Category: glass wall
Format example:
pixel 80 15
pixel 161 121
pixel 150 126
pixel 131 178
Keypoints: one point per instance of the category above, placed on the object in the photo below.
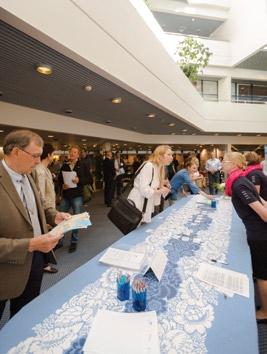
pixel 249 92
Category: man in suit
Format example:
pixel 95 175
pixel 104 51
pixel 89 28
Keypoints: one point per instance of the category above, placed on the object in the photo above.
pixel 23 232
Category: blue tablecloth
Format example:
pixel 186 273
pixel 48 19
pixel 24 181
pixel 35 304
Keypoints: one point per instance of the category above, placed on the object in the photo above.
pixel 193 317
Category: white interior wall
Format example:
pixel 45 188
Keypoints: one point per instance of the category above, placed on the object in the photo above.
pixel 109 46
pixel 246 28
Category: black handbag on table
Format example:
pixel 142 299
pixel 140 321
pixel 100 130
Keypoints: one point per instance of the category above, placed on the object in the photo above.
pixel 123 212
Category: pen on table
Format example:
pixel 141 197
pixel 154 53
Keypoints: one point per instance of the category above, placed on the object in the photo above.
pixel 218 261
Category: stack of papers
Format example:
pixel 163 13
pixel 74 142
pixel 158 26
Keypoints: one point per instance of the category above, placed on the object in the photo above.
pixel 78 221
pixel 225 280
pixel 123 333
pixel 123 259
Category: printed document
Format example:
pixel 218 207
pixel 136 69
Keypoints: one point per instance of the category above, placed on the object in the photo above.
pixel 78 221
pixel 123 259
pixel 121 333
pixel 224 279
pixel 68 177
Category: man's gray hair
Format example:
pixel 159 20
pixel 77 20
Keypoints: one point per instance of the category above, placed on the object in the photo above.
pixel 20 139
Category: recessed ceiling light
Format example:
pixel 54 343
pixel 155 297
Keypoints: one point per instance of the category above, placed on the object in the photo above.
pixel 125 144
pixel 84 140
pixel 193 19
pixel 239 134
pixel 173 133
pixel 184 130
pixel 44 69
pixel 68 111
pixel 216 134
pixel 258 135
pixel 1 131
pixel 84 144
pixel 95 145
pixel 108 121
pixel 264 48
pixel 171 124
pixel 88 88
pixel 151 115
pixel 50 136
pixel 116 100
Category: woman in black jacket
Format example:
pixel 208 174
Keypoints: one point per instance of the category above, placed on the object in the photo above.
pixel 251 209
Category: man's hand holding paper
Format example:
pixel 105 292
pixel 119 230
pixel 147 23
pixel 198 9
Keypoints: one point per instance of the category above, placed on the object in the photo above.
pixel 79 221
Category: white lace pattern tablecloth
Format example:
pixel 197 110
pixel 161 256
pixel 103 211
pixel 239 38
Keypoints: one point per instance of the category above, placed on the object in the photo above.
pixel 184 305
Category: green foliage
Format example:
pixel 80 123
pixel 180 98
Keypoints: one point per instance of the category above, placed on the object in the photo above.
pixel 193 57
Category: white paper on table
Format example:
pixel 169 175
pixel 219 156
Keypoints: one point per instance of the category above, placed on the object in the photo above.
pixel 123 333
pixel 68 177
pixel 226 280
pixel 123 259
pixel 157 264
pixel 78 221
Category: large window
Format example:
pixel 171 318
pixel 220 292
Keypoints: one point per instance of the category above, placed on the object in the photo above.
pixel 249 92
pixel 208 89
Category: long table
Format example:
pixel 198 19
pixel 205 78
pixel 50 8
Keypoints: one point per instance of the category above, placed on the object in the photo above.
pixel 193 317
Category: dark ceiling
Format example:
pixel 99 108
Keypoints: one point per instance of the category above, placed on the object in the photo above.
pixel 64 89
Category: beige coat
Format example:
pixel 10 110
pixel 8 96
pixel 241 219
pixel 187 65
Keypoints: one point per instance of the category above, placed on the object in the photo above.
pixel 15 232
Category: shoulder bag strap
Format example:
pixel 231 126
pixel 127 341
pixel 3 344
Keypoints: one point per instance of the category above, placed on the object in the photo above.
pixel 127 189
pixel 146 200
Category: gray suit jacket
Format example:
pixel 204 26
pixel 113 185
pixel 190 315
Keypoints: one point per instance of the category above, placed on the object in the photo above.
pixel 15 232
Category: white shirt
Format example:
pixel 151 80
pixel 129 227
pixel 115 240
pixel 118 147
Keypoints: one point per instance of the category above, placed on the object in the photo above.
pixel 213 165
pixel 142 190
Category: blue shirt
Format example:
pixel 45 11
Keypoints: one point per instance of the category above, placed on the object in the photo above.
pixel 177 181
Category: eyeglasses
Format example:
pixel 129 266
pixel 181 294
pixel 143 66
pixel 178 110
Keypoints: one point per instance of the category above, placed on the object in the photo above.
pixel 34 156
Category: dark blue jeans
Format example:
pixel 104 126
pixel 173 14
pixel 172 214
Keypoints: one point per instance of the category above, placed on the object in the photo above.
pixel 76 204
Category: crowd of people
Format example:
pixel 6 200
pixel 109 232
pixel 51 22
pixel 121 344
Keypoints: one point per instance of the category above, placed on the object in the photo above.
pixel 37 195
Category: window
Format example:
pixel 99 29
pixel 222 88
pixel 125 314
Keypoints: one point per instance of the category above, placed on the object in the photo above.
pixel 249 92
pixel 208 89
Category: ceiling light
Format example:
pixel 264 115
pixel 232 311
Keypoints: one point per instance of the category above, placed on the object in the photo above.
pixel 44 69
pixel 88 88
pixel 116 100
pixel 264 48
pixel 108 121
pixel 84 144
pixel 184 130
pixel 193 19
pixel 68 111
pixel 151 115
pixel 171 124
pixel 50 136
pixel 256 135
pixel 173 133
pixel 1 131
pixel 84 140
pixel 95 145
pixel 239 134
pixel 216 134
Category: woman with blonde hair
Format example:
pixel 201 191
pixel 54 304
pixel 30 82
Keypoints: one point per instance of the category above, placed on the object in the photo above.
pixel 250 208
pixel 150 183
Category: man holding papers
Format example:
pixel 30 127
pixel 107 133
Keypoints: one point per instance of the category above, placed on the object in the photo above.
pixel 72 178
pixel 24 240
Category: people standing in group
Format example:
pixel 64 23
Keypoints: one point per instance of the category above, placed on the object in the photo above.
pixel 109 178
pixel 183 177
pixel 24 241
pixel 72 196
pixel 45 185
pixel 213 166
pixel 250 208
pixel 136 163
pixel 255 174
pixel 151 182
pixel 120 172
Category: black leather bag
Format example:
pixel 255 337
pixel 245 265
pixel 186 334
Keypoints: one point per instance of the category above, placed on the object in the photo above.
pixel 123 212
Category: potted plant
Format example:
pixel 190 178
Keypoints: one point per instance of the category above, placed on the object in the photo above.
pixel 193 57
